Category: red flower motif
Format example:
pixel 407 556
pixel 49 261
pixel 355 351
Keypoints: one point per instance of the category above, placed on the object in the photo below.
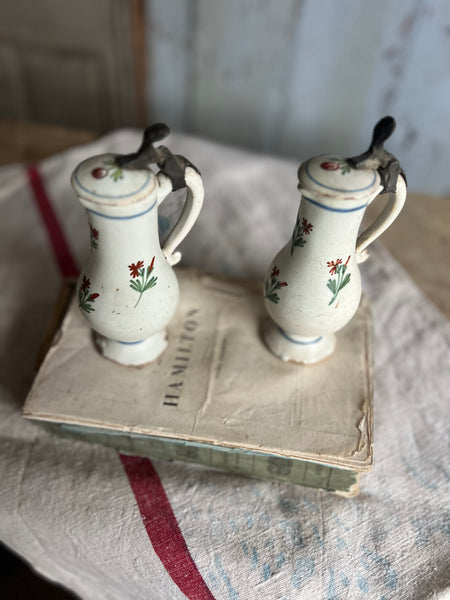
pixel 346 262
pixel 85 284
pixel 307 227
pixel 275 272
pixel 150 268
pixel 333 265
pixel 92 297
pixel 330 165
pixel 94 232
pixel 134 268
pixel 282 283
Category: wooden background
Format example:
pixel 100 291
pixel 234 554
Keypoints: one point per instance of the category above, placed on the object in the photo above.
pixel 302 77
pixel 287 77
pixel 71 63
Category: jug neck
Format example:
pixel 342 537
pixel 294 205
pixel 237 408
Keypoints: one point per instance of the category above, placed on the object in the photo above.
pixel 339 204
pixel 112 236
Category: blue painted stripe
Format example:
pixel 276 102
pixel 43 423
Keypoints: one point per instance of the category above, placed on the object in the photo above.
pixel 340 210
pixel 297 341
pixel 90 192
pixel 130 343
pixel 94 212
pixel 328 187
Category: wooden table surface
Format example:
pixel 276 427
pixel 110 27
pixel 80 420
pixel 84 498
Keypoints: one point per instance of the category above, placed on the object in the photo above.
pixel 419 238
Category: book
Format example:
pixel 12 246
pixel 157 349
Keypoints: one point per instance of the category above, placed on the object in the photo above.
pixel 216 396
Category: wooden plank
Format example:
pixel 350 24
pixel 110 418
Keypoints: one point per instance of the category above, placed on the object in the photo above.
pixel 303 77
pixel 69 63
pixel 121 90
pixel 31 142
pixel 419 239
pixel 241 66
pixel 337 48
pixel 422 98
pixel 139 45
pixel 169 53
pixel 51 99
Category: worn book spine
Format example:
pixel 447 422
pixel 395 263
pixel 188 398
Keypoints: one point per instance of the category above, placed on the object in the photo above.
pixel 234 460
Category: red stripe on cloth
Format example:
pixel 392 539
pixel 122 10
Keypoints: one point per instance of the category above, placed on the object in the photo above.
pixel 157 514
pixel 163 529
pixel 55 233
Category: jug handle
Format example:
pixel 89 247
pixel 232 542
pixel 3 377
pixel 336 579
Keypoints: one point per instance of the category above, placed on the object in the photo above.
pixel 383 221
pixel 189 214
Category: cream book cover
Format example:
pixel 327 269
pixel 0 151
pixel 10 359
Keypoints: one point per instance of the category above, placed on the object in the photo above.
pixel 217 396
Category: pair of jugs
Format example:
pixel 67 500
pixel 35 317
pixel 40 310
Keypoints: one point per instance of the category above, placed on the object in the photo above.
pixel 128 290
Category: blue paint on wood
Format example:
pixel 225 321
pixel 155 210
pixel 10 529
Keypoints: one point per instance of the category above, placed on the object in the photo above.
pixel 214 71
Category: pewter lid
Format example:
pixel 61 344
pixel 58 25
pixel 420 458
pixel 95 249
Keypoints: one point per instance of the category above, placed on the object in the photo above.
pixel 104 186
pixel 332 176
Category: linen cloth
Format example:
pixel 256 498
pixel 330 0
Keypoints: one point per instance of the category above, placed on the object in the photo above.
pixel 77 513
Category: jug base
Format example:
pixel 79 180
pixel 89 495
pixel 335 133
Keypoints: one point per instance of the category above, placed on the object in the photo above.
pixel 295 348
pixel 133 354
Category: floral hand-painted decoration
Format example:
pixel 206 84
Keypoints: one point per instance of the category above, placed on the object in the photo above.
pixel 334 165
pixel 338 270
pixel 110 169
pixel 300 230
pixel 94 237
pixel 273 285
pixel 85 298
pixel 141 277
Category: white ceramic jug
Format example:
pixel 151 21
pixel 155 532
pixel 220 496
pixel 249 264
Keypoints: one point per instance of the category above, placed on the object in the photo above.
pixel 313 286
pixel 128 290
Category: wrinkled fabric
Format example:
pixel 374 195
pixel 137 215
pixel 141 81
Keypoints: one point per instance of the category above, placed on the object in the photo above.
pixel 67 507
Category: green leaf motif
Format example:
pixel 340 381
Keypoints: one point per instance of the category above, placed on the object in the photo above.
pixel 274 284
pixel 341 278
pixel 345 281
pixel 86 307
pixel 135 285
pixel 144 281
pixel 298 240
pixel 151 283
pixel 116 172
pixel 331 285
pixel 85 299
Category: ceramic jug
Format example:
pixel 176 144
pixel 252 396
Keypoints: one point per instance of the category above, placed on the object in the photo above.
pixel 128 290
pixel 313 286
